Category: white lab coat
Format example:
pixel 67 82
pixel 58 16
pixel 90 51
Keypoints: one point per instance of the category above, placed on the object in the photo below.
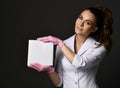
pixel 81 72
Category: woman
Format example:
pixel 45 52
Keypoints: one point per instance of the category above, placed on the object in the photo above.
pixel 78 57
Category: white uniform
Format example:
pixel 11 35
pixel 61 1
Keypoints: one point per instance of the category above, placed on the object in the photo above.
pixel 81 72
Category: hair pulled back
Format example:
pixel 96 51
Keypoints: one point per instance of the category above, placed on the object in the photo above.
pixel 104 23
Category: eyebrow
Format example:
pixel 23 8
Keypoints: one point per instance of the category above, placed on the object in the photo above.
pixel 87 19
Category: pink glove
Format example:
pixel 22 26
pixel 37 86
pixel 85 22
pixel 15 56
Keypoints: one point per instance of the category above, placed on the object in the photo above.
pixel 40 67
pixel 52 39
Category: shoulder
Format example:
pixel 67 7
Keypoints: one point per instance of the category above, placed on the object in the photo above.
pixel 94 45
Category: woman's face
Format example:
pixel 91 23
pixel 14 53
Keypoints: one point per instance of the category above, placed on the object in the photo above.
pixel 85 23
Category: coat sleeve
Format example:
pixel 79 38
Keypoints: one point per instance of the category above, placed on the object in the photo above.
pixel 91 58
pixel 58 66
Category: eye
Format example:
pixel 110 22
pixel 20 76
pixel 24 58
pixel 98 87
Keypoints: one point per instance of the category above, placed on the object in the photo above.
pixel 88 23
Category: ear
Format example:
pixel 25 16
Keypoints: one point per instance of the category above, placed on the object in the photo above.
pixel 94 30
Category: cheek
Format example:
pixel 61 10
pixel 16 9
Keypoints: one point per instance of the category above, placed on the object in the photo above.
pixel 88 30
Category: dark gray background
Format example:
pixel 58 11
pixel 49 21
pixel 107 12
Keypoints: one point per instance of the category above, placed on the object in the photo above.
pixel 29 19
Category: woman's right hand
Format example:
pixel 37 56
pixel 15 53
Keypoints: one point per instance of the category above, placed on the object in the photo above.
pixel 40 67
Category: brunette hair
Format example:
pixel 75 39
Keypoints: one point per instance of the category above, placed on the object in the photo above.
pixel 104 23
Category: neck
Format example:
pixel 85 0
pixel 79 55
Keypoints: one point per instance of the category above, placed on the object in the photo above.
pixel 80 39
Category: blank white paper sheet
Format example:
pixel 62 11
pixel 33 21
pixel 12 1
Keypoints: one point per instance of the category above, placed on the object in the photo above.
pixel 40 52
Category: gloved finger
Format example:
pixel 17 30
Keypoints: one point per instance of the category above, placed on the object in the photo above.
pixel 36 67
pixel 47 39
pixel 41 67
pixel 42 38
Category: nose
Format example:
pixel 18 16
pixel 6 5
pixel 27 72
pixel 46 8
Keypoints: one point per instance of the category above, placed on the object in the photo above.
pixel 81 23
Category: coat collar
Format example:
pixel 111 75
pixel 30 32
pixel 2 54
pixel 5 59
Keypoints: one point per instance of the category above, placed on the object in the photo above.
pixel 90 42
pixel 86 45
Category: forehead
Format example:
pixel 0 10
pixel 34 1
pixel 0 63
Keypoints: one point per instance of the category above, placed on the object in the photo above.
pixel 88 15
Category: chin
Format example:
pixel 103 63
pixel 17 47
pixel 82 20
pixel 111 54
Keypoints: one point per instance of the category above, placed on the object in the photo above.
pixel 78 32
